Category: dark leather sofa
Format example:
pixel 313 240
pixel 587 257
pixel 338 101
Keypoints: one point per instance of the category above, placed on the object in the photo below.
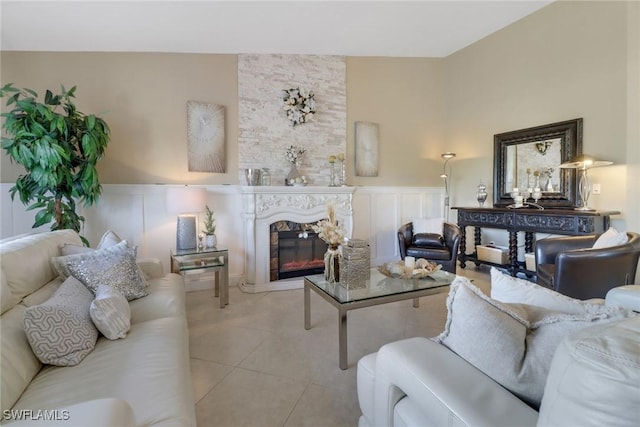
pixel 439 248
pixel 570 266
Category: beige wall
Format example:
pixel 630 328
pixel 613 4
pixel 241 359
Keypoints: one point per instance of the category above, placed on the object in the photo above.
pixel 143 98
pixel 405 96
pixel 568 60
pixel 633 115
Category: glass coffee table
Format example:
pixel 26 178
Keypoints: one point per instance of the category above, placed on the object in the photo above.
pixel 379 289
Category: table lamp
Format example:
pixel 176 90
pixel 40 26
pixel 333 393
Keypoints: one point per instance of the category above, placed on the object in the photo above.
pixel 583 162
pixel 186 201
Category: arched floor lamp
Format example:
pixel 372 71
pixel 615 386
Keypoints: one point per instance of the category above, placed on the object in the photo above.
pixel 447 180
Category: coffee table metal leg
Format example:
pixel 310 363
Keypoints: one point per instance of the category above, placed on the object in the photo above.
pixel 307 308
pixel 342 338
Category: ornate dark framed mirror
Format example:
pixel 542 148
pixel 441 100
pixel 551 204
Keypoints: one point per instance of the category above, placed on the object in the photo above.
pixel 529 158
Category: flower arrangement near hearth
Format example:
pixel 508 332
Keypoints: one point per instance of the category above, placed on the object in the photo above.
pixel 328 229
pixel 333 234
pixel 299 104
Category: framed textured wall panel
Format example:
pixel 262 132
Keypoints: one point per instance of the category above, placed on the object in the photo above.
pixel 205 137
pixel 366 148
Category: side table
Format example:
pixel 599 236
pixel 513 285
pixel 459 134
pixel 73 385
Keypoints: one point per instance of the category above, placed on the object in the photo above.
pixel 215 259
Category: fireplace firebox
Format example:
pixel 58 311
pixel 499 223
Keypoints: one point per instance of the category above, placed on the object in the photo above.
pixel 296 250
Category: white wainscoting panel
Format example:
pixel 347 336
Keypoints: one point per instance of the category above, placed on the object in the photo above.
pixel 138 213
pixel 380 211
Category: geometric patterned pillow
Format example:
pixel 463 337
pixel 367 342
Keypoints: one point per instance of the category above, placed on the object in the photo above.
pixel 110 312
pixel 60 330
pixel 114 266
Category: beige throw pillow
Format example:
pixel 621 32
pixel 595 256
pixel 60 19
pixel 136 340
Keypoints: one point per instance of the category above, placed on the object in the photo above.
pixel 511 343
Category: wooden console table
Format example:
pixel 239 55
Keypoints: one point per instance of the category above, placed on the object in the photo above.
pixel 530 221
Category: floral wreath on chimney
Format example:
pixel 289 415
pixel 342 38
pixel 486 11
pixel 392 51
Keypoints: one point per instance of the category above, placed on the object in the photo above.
pixel 299 104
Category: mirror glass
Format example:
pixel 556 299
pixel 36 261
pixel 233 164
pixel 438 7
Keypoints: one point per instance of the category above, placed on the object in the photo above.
pixel 530 158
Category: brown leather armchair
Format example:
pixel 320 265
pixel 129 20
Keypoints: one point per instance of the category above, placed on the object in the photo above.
pixel 441 249
pixel 570 266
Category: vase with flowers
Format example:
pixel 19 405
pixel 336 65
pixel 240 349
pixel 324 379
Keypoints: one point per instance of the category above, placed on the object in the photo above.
pixel 293 154
pixel 333 235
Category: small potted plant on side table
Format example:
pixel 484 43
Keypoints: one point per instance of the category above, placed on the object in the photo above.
pixel 210 228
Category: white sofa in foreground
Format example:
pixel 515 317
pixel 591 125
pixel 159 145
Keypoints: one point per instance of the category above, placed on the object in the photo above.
pixel 140 380
pixel 592 378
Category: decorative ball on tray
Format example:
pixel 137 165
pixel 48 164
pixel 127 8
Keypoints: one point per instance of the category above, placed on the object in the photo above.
pixel 409 269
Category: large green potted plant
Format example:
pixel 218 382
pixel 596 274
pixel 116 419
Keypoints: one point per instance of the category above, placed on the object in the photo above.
pixel 59 151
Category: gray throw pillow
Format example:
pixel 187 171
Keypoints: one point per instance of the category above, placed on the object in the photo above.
pixel 114 266
pixel 60 330
pixel 511 343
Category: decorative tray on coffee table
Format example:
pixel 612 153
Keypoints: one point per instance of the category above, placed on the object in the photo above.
pixel 423 268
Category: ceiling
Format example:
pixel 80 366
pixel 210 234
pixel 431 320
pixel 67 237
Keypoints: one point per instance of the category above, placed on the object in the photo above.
pixel 352 28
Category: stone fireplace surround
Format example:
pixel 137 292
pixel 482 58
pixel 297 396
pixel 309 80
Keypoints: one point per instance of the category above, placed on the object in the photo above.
pixel 262 206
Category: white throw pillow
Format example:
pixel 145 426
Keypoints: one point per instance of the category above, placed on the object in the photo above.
pixel 508 289
pixel 60 330
pixel 114 266
pixel 609 238
pixel 110 312
pixel 511 343
pixel 427 225
pixel 109 238
pixel 594 378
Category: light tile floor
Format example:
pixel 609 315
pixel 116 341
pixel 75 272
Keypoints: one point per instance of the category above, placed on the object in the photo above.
pixel 253 363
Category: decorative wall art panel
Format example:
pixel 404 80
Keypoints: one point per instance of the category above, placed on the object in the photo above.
pixel 206 137
pixel 366 148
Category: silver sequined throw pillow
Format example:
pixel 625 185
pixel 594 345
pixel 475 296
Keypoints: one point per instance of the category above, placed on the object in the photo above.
pixel 114 266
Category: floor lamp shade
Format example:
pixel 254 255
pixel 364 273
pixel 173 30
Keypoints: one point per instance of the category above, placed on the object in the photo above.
pixel 186 201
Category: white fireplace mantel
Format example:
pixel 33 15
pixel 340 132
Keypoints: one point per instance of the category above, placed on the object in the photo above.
pixel 262 206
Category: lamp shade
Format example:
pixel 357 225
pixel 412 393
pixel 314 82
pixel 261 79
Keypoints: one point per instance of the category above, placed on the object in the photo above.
pixel 185 199
pixel 584 161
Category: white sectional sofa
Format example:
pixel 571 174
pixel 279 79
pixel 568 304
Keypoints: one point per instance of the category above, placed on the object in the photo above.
pixel 140 380
pixel 593 379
